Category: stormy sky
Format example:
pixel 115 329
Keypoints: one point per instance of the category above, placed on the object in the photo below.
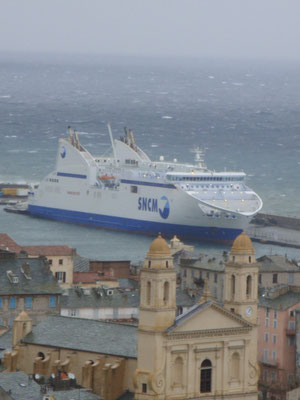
pixel 263 29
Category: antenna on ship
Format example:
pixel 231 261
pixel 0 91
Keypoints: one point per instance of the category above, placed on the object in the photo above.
pixel 199 157
pixel 112 141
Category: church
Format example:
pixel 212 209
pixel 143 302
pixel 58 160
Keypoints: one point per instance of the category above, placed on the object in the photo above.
pixel 209 351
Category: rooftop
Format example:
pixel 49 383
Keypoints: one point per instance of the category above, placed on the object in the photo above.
pixel 85 335
pixel 18 385
pixel 277 263
pixel 97 298
pixel 206 262
pixel 22 275
pixel 280 297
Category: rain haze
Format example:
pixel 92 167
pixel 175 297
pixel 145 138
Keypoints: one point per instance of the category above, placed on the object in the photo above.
pixel 233 28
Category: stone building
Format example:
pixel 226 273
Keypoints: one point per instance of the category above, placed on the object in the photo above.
pixel 277 340
pixel 209 351
pixel 275 270
pixel 27 284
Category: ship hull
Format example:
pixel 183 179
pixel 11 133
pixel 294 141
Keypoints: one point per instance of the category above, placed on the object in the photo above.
pixel 206 233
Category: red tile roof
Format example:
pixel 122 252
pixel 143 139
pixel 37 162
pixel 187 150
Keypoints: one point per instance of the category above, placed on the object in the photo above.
pixel 48 250
pixel 7 243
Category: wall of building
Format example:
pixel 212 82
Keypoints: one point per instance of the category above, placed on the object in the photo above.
pixel 102 313
pixel 38 312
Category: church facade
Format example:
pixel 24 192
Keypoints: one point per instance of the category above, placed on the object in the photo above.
pixel 210 351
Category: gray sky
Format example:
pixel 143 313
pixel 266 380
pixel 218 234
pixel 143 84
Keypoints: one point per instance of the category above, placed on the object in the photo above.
pixel 231 28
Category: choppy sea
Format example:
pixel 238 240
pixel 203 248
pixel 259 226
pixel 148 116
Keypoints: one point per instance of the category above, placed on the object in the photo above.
pixel 245 115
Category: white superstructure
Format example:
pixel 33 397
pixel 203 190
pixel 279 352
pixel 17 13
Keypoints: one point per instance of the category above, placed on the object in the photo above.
pixel 128 191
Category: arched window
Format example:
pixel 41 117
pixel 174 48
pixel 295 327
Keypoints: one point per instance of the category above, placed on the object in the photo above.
pixel 250 259
pixel 148 293
pixel 248 286
pixel 232 286
pixel 178 371
pixel 206 376
pixel 233 258
pixel 166 292
pixel 235 366
pixel 167 264
pixel 149 264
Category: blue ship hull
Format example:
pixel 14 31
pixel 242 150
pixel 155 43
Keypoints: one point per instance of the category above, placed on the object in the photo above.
pixel 222 235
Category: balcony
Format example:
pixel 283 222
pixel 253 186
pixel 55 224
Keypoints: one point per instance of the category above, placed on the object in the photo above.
pixel 290 332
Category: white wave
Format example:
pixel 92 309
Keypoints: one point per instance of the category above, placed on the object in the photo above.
pixel 211 77
pixel 163 92
pixel 156 145
pixel 166 117
pixel 14 151
pixel 5 96
pixel 237 83
pixel 11 136
pixel 32 151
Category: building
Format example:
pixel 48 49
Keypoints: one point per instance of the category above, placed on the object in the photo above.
pixel 100 355
pixel 111 304
pixel 27 284
pixel 275 270
pixel 20 386
pixel 193 272
pixel 60 257
pixel 208 351
pixel 277 340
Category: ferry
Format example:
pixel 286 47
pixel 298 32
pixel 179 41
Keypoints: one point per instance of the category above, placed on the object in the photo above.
pixel 128 191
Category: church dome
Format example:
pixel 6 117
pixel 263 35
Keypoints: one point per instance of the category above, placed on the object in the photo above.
pixel 242 244
pixel 159 247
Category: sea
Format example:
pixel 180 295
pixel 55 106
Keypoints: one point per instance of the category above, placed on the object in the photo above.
pixel 245 115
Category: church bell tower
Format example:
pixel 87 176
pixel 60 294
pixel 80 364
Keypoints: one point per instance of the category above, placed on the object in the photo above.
pixel 157 313
pixel 241 279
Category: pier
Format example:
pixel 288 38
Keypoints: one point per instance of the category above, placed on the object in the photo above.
pixel 275 229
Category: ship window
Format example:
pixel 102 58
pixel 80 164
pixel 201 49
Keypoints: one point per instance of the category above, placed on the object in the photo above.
pixel 133 189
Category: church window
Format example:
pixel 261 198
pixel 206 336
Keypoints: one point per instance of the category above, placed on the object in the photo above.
pixel 148 293
pixel 144 387
pixel 235 366
pixel 167 264
pixel 250 259
pixel 178 371
pixel 232 286
pixel 166 292
pixel 149 264
pixel 233 259
pixel 206 376
pixel 248 286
